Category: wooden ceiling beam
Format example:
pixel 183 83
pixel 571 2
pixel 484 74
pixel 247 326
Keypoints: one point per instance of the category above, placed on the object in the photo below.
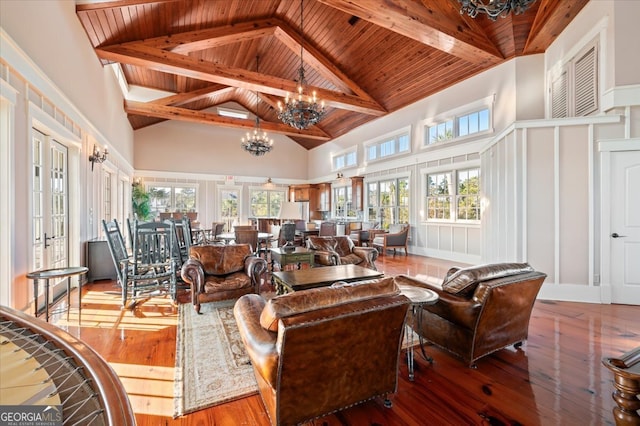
pixel 169 62
pixel 192 41
pixel 319 62
pixel 192 116
pixel 83 7
pixel 551 19
pixel 414 20
pixel 185 98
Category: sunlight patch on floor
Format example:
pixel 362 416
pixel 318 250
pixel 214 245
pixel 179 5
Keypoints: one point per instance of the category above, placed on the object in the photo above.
pixel 150 388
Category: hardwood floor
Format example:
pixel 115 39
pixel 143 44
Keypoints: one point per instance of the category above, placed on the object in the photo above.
pixel 557 377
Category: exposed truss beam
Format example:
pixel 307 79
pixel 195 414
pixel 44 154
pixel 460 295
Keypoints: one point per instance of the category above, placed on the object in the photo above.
pixel 189 115
pixel 161 60
pixel 413 19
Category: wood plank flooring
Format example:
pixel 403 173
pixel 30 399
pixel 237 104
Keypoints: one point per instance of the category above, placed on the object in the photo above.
pixel 556 379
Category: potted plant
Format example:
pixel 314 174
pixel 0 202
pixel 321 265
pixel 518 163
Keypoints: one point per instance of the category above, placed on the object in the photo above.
pixel 141 201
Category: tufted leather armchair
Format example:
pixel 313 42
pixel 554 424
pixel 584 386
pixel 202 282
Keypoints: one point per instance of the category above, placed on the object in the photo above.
pixel 481 309
pixel 220 272
pixel 317 351
pixel 340 250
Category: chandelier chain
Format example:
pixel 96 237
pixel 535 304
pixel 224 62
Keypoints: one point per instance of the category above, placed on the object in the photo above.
pixel 300 111
pixel 258 143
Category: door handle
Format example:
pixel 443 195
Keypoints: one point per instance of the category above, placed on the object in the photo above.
pixel 46 239
pixel 615 235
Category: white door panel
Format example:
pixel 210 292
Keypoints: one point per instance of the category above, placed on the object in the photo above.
pixel 624 238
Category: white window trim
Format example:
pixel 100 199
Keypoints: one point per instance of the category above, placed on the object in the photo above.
pixel 453 168
pixel 344 154
pixel 475 106
pixel 174 185
pixel 384 138
pixel 283 190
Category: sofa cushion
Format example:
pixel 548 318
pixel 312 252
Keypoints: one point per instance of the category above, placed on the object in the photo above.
pixel 350 259
pixel 464 281
pixel 221 260
pixel 318 298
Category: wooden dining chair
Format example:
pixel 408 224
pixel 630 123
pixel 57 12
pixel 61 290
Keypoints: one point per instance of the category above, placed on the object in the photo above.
pixel 248 236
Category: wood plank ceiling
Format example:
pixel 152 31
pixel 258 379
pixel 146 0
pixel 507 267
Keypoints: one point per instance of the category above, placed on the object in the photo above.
pixel 365 58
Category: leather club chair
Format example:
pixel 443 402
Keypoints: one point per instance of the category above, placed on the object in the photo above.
pixel 481 309
pixel 221 272
pixel 317 351
pixel 340 250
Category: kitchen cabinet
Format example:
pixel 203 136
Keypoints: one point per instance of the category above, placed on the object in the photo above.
pixel 324 197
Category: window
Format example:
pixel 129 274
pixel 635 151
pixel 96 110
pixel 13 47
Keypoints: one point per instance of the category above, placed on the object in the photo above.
pixel 265 203
pixel 229 206
pixel 342 202
pixel 460 126
pixel 468 196
pixel 574 88
pixel 394 144
pixel 106 197
pixel 345 159
pixel 442 190
pixel 170 198
pixel 388 201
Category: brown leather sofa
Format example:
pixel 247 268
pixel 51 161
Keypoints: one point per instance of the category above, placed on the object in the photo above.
pixel 481 309
pixel 318 351
pixel 221 272
pixel 340 250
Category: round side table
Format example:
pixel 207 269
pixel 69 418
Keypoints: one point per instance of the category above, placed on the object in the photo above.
pixel 419 297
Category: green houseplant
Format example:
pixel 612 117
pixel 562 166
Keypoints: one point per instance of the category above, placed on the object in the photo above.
pixel 141 202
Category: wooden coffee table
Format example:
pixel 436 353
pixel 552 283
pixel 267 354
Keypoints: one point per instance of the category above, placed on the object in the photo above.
pixel 303 279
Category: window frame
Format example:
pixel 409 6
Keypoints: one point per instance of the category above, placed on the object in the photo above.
pixel 373 213
pixel 455 116
pixel 172 197
pixel 394 138
pixel 344 159
pixel 454 194
pixel 269 204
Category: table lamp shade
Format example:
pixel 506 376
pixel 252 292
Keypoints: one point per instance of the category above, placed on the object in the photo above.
pixel 290 211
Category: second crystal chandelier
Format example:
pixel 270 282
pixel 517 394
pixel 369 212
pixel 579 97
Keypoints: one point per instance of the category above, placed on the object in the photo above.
pixel 301 111
pixel 257 143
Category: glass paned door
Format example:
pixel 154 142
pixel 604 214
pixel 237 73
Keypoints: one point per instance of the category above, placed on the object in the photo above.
pixel 49 204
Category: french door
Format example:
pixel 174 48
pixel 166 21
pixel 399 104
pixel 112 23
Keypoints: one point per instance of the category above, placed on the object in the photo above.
pixel 49 205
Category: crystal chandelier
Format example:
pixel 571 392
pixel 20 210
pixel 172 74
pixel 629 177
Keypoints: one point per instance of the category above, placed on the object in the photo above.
pixel 494 8
pixel 257 143
pixel 301 111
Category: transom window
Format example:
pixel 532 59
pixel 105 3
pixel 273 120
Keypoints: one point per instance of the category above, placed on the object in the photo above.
pixel 395 144
pixel 461 126
pixel 345 159
pixel 461 186
pixel 266 203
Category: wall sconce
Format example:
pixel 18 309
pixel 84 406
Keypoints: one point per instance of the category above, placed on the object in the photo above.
pixel 339 175
pixel 136 182
pixel 97 156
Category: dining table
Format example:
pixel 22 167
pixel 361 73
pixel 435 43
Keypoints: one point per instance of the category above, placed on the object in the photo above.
pixel 229 237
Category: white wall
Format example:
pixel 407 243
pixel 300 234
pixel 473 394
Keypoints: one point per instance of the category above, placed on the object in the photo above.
pixel 175 146
pixel 61 88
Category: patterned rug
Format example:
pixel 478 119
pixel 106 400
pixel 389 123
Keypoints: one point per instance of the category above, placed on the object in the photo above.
pixel 211 364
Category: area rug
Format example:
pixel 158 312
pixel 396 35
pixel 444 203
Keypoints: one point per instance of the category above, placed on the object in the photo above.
pixel 212 366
